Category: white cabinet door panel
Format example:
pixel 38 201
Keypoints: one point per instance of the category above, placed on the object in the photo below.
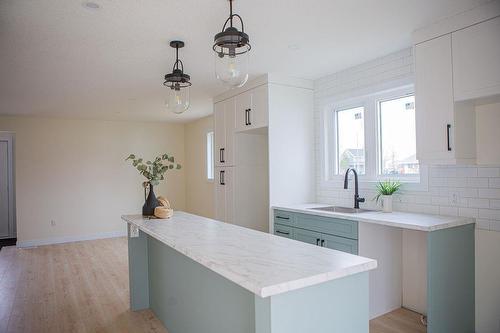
pixel 220 132
pixel 434 99
pixel 476 59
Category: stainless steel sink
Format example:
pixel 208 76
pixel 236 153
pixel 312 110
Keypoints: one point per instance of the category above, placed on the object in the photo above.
pixel 337 209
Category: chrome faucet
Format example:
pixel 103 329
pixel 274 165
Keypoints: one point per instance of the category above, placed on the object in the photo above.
pixel 357 199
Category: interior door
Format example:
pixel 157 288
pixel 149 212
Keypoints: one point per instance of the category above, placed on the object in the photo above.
pixel 4 189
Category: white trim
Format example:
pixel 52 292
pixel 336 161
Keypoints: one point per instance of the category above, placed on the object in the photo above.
pixel 70 239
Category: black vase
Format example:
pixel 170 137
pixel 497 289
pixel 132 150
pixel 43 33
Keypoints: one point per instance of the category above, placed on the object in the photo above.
pixel 151 202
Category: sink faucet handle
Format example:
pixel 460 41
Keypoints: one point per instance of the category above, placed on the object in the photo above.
pixel 361 199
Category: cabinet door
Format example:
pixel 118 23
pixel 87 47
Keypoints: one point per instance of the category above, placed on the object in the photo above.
pixel 434 100
pixel 258 114
pixel 224 195
pixel 308 236
pixel 340 243
pixel 476 57
pixel 220 133
pixel 243 103
pixel 284 231
pixel 220 195
pixel 229 110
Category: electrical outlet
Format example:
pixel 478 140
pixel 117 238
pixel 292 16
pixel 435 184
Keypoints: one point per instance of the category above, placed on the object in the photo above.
pixel 53 223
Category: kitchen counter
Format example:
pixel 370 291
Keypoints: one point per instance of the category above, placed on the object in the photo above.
pixel 259 262
pixel 202 275
pixel 403 220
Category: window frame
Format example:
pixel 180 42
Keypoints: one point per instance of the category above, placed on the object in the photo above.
pixel 373 172
pixel 211 134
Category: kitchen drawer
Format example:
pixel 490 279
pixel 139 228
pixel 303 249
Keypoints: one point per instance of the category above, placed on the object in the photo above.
pixel 284 231
pixel 340 244
pixel 328 225
pixel 284 217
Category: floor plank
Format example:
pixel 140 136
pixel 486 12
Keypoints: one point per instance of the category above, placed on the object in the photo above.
pixel 397 321
pixel 83 287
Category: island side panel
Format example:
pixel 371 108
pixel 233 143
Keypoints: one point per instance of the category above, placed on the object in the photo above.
pixel 188 297
pixel 340 305
pixel 450 280
pixel 138 270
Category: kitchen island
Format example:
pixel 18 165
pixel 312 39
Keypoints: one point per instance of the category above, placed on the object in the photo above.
pixel 202 275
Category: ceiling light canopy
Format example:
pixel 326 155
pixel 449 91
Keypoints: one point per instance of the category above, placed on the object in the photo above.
pixel 178 82
pixel 232 47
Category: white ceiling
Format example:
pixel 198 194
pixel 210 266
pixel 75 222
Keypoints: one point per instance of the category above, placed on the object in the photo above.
pixel 58 58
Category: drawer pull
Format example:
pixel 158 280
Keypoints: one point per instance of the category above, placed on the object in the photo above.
pixel 317 241
pixel 282 232
pixel 282 217
pixel 322 242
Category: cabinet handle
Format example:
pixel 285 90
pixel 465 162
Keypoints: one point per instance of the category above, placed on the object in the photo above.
pixel 246 117
pixel 282 232
pixel 222 181
pixel 322 242
pixel 281 217
pixel 448 126
pixel 221 155
pixel 317 241
pixel 249 120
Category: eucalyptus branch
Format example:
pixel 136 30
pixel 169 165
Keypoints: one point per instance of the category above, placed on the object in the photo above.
pixel 154 171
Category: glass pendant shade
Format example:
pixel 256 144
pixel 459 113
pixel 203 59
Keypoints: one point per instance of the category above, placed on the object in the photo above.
pixel 232 70
pixel 178 100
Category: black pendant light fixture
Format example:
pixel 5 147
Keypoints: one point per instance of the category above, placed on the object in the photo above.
pixel 231 48
pixel 178 82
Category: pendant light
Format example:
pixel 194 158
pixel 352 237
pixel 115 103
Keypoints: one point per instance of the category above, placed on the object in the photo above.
pixel 231 48
pixel 178 82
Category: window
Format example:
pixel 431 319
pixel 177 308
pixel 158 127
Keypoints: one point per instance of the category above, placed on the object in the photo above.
pixel 210 155
pixel 397 140
pixel 351 140
pixel 375 135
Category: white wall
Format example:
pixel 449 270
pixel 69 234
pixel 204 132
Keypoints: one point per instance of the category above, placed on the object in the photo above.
pixel 199 190
pixel 73 172
pixel 469 191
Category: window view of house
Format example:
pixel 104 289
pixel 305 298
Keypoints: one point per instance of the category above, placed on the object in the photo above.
pixel 351 140
pixel 397 137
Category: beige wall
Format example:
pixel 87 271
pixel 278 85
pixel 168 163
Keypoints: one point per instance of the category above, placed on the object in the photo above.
pixel 488 134
pixel 73 172
pixel 199 191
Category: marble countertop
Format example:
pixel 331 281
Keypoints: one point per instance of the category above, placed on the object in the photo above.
pixel 262 263
pixel 413 221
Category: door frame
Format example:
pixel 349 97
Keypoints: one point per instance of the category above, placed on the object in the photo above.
pixel 9 138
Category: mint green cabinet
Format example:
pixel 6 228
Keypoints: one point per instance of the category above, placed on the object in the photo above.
pixel 332 233
pixel 308 236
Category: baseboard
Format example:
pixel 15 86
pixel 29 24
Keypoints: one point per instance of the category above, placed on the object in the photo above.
pixel 69 239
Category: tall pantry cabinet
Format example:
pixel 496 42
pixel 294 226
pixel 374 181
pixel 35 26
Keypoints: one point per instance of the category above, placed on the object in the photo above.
pixel 264 145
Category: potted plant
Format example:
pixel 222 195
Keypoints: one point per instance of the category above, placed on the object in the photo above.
pixel 154 171
pixel 385 190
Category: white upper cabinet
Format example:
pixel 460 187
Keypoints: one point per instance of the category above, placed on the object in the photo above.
pixel 252 109
pixel 476 60
pixel 224 132
pixel 434 99
pixel 445 129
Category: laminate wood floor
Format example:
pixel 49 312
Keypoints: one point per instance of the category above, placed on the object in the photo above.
pixel 398 321
pixel 73 287
pixel 83 287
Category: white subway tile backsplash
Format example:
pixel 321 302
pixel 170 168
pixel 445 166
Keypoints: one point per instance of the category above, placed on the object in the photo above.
pixel 494 182
pixel 450 211
pixel 491 214
pixel 483 224
pixel 490 193
pixel 488 172
pixel 478 182
pixel 495 225
pixel 478 203
pixel 495 204
pixel 468 212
